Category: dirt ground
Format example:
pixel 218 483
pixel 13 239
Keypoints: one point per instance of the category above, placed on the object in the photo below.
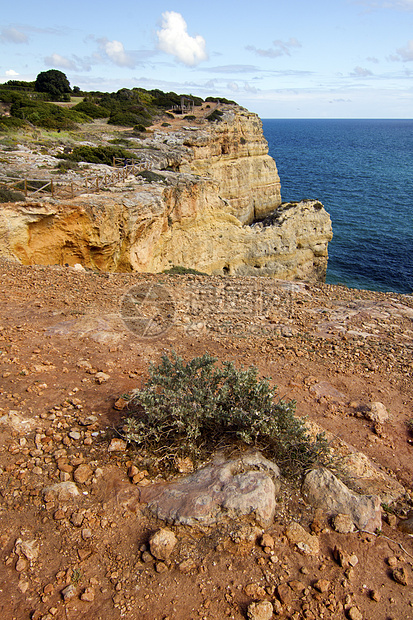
pixel 67 356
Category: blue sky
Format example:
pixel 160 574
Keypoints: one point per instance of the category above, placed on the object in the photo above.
pixel 281 59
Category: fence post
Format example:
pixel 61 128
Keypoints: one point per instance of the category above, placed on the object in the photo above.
pixel 25 187
pixel 71 186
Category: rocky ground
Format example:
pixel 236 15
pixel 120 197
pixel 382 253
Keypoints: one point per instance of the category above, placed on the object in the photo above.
pixel 69 350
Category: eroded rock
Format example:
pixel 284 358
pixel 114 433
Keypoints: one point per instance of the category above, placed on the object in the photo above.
pixel 244 486
pixel 323 490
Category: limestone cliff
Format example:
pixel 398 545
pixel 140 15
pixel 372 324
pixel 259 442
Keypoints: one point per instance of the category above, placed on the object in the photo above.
pixel 216 207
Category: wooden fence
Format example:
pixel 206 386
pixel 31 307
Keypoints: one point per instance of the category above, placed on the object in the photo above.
pixel 36 187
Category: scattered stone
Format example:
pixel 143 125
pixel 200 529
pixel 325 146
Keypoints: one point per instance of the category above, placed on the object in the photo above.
pixel 375 596
pixel 323 490
pixel 69 592
pixel 162 543
pixel 343 524
pixel 305 542
pixel 117 445
pixel 75 435
pixel 21 565
pixel 284 593
pixel 120 404
pixel 354 614
pixel 400 576
pixel 297 586
pixel 30 549
pixel 86 533
pixel 101 377
pixel 377 413
pixel 186 566
pixel 76 519
pixel 322 585
pixel 392 519
pixel 88 595
pixel 263 610
pixel 161 567
pixel 267 541
pixel 61 491
pixel 392 561
pixel 254 590
pixel 83 473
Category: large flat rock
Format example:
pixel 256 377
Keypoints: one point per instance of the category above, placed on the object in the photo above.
pixel 235 488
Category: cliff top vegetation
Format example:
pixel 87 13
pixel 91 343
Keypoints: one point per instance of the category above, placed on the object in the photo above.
pixel 51 103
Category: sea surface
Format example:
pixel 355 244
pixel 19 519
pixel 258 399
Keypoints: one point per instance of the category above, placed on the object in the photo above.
pixel 362 172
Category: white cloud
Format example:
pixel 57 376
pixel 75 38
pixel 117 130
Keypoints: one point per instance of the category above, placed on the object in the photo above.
pixel 405 53
pixel 12 35
pixel 173 38
pixel 361 72
pixel 233 86
pixel 60 62
pixel 116 52
pixel 11 73
pixel 280 48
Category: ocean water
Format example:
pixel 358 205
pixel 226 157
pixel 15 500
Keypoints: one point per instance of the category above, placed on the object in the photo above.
pixel 362 172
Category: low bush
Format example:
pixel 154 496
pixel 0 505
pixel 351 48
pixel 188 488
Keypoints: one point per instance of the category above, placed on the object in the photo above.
pixel 9 195
pixel 98 154
pixel 191 409
pixel 9 122
pixel 182 271
pixel 92 110
pixel 216 115
pixel 152 177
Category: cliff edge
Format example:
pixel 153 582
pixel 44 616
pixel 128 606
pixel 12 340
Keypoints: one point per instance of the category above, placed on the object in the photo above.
pixel 212 201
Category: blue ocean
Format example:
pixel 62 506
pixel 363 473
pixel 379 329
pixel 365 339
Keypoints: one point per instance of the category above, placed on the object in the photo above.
pixel 362 172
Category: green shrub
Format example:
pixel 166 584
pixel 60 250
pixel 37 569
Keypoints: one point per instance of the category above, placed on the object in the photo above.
pixel 92 110
pixel 152 177
pixel 8 195
pixel 190 409
pixel 9 122
pixel 139 128
pixel 216 115
pixel 64 166
pixel 180 271
pixel 189 117
pixel 98 154
pixel 128 119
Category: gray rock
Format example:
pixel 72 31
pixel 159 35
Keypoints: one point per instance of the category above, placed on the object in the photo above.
pixel 233 488
pixel 323 490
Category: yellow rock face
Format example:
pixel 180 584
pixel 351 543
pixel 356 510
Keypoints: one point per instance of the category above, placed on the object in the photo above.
pixel 203 217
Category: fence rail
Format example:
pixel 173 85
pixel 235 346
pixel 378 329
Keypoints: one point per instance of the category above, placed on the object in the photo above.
pixel 31 187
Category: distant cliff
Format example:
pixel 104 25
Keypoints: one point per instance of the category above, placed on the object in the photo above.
pixel 216 207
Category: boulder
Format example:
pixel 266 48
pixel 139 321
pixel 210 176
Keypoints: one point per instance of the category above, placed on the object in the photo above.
pixel 323 490
pixel 243 486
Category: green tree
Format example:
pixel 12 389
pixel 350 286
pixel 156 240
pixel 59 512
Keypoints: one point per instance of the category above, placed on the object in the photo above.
pixel 54 83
